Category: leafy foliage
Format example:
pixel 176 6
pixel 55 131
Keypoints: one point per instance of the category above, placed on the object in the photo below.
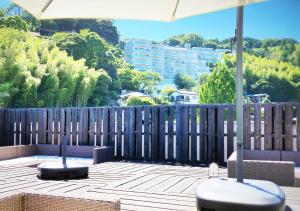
pixel 135 80
pixel 194 39
pixel 35 73
pixel 15 22
pixel 280 80
pixel 219 86
pixel 97 53
pixel 183 81
pixel 134 100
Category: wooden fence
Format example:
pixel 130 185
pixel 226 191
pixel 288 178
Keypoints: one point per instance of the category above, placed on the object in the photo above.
pixel 181 133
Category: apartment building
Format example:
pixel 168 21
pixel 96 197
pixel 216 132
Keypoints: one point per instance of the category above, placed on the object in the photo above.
pixel 168 61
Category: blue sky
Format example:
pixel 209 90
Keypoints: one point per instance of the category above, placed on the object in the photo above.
pixel 270 19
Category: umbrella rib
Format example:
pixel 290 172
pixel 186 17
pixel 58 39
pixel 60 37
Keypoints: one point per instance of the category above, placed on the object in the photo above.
pixel 46 6
pixel 175 10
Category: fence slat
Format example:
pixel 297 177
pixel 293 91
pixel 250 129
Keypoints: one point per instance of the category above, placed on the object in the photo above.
pixel 68 126
pixel 80 128
pixel 56 125
pixel 119 132
pixel 278 127
pixel 230 130
pixel 99 126
pixel 171 133
pixel 28 126
pixel 185 134
pixel 105 127
pixel 211 151
pixel 131 137
pixel 42 126
pixel 257 127
pixel 112 126
pixel 10 128
pixel 154 133
pixel 74 126
pixel 2 119
pixel 146 133
pixel 247 127
pixel 162 129
pixel 85 127
pixel 5 127
pixel 126 132
pixel 298 126
pixel 220 137
pixel 202 129
pixel 62 118
pixel 288 124
pixel 23 127
pixel 193 134
pixel 92 127
pixel 139 141
pixel 178 133
pixel 50 126
pixel 33 120
pixel 16 116
pixel 268 127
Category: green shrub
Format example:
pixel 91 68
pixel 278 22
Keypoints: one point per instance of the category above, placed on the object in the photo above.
pixel 133 100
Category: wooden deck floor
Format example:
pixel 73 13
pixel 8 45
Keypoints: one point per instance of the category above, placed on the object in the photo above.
pixel 140 186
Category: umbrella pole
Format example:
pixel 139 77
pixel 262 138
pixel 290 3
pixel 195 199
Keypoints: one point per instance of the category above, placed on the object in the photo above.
pixel 239 92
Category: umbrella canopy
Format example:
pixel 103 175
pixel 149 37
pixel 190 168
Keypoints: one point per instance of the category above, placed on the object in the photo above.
pixel 157 10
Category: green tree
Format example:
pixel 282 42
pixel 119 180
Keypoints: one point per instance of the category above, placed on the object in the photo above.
pixel 280 80
pixel 202 78
pixel 174 40
pixel 101 92
pixel 2 12
pixel 194 39
pixel 133 101
pixel 105 28
pixel 219 86
pixel 184 81
pixel 148 81
pixel 15 22
pixel 128 79
pixel 135 80
pixel 34 73
pixel 97 53
pixel 295 56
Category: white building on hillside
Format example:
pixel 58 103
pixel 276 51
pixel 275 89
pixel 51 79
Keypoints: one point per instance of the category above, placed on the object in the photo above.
pixel 168 61
pixel 184 97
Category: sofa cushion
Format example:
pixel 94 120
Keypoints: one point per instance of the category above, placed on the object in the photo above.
pixel 104 154
pixel 26 150
pixel 291 156
pixel 262 155
pixel 7 153
pixel 47 149
pixel 80 151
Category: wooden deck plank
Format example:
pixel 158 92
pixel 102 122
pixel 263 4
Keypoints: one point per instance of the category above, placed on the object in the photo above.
pixel 140 186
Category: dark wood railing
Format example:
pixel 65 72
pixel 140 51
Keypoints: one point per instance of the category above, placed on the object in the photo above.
pixel 181 133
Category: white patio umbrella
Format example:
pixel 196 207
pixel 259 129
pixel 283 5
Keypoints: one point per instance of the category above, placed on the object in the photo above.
pixel 157 10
